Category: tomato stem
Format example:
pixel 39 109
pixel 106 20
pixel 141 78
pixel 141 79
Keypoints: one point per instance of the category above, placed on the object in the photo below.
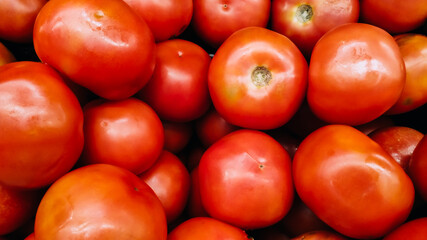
pixel 261 76
pixel 304 13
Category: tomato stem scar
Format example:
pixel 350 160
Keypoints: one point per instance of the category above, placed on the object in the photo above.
pixel 261 76
pixel 304 13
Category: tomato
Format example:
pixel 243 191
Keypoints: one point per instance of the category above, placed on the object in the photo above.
pixel 356 74
pixel 166 19
pixel 170 180
pixel 418 166
pixel 304 22
pixel 100 201
pixel 17 19
pixel 360 190
pixel 413 48
pixel 414 229
pixel 110 50
pixel 398 141
pixel 245 180
pixel 257 79
pixel 30 237
pixel 319 235
pixel 214 21
pixel 126 133
pixel 5 55
pixel 195 206
pixel 206 228
pixel 177 135
pixel 178 90
pixel 42 125
pixel 269 233
pixel 394 16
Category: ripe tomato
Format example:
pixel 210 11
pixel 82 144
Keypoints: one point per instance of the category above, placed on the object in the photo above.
pixel 17 19
pixel 257 79
pixel 170 180
pixel 214 21
pixel 245 180
pixel 41 125
pixel 360 190
pixel 100 201
pixel 126 133
pixel 356 74
pixel 413 48
pixel 207 229
pixel 109 49
pixel 5 55
pixel 166 19
pixel 394 16
pixel 178 89
pixel 418 166
pixel 177 135
pixel 414 229
pixel 305 21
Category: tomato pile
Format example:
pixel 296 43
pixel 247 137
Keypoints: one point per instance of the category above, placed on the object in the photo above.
pixel 202 119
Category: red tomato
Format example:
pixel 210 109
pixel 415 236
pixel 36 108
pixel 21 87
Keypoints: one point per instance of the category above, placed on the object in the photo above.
pixel 16 208
pixel 360 190
pixel 109 49
pixel 177 135
pixel 413 48
pixel 418 167
pixel 257 79
pixel 414 229
pixel 5 55
pixel 126 133
pixel 398 141
pixel 305 21
pixel 170 180
pixel 394 16
pixel 245 180
pixel 166 19
pixel 214 21
pixel 319 235
pixel 42 125
pixel 356 74
pixel 178 90
pixel 207 229
pixel 30 237
pixel 17 19
pixel 270 233
pixel 100 201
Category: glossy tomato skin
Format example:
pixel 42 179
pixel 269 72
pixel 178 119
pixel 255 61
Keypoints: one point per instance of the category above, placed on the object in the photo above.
pixel 413 48
pixel 206 228
pixel 42 125
pixel 257 79
pixel 356 74
pixel 126 133
pixel 214 21
pixel 5 55
pixel 414 229
pixel 418 167
pixel 249 172
pixel 100 201
pixel 166 19
pixel 17 19
pixel 178 90
pixel 304 22
pixel 170 180
pixel 360 190
pixel 110 50
pixel 394 16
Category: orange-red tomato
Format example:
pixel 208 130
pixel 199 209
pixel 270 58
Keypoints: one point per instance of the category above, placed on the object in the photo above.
pixel 100 201
pixel 5 55
pixel 414 229
pixel 351 183
pixel 257 79
pixel 418 167
pixel 126 133
pixel 109 49
pixel 356 74
pixel 41 125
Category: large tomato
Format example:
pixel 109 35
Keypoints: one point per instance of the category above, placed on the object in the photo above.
pixel 101 45
pixel 418 167
pixel 257 79
pixel 214 21
pixel 126 133
pixel 245 179
pixel 305 21
pixel 166 19
pixel 414 229
pixel 178 90
pixel 100 201
pixel 351 183
pixel 356 74
pixel 41 134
